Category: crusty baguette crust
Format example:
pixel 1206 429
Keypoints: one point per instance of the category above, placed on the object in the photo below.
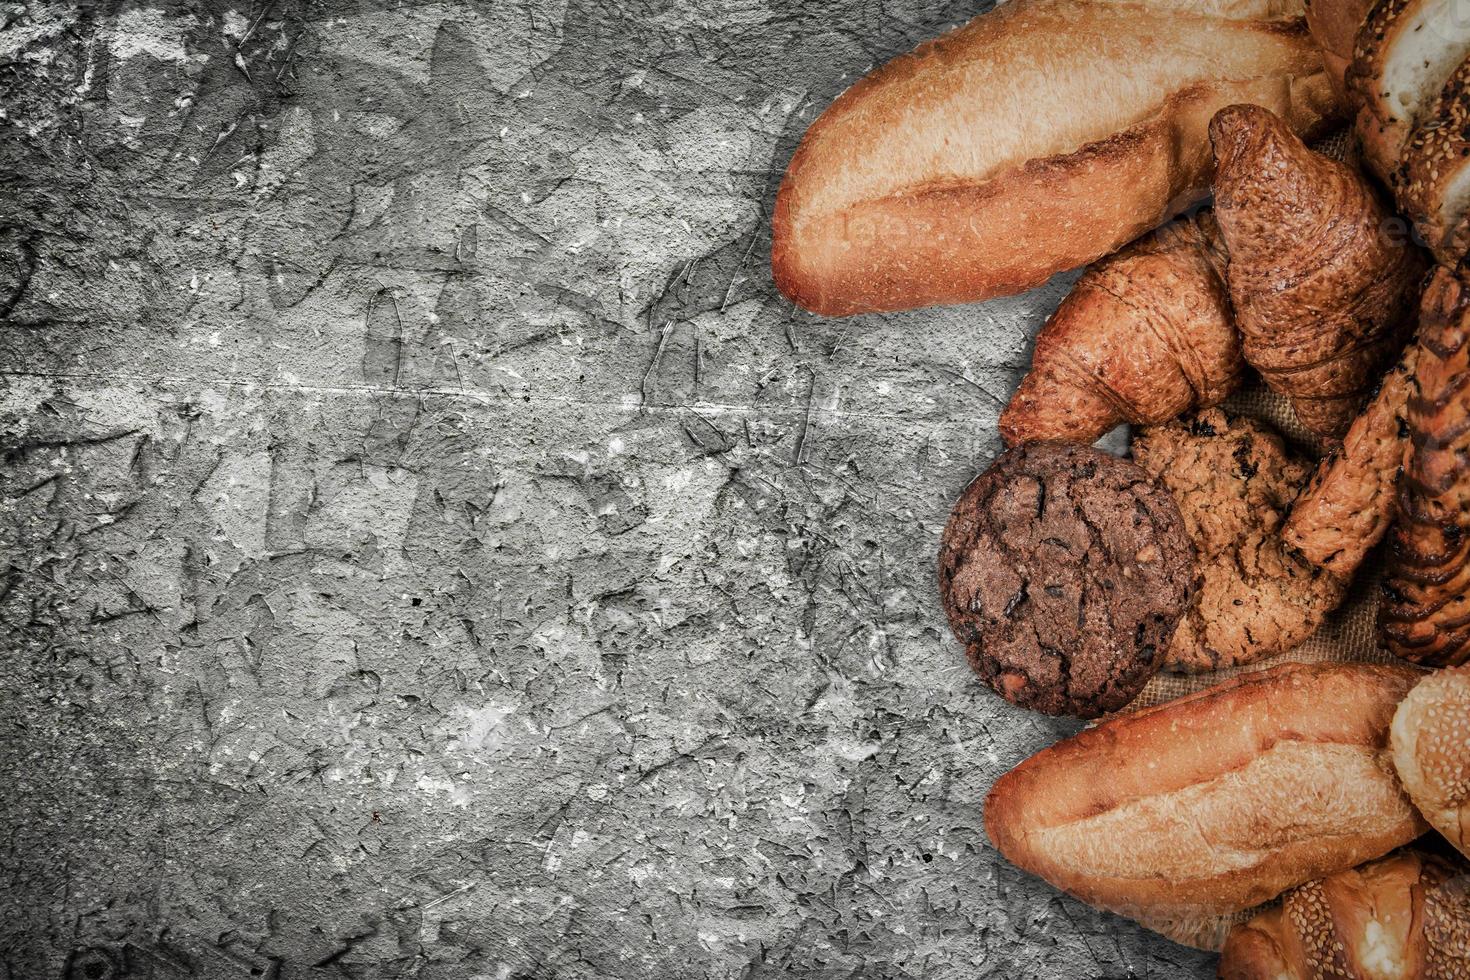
pixel 1218 801
pixel 897 198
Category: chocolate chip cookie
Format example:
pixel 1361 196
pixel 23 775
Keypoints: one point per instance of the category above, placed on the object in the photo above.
pixel 1234 481
pixel 1063 571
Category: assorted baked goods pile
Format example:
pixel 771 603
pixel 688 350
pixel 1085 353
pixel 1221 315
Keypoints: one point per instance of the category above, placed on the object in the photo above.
pixel 1048 134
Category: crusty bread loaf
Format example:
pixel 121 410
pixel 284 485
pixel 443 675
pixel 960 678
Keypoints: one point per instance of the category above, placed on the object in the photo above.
pixel 1404 51
pixel 1218 801
pixel 1406 917
pixel 1038 137
pixel 1431 751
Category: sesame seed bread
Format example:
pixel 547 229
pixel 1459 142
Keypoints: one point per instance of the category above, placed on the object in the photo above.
pixel 1406 917
pixel 1433 178
pixel 1403 53
pixel 1431 751
pixel 1038 137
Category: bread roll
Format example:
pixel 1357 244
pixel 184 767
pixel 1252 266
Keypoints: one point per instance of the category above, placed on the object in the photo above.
pixel 1406 917
pixel 1040 136
pixel 1431 751
pixel 1218 801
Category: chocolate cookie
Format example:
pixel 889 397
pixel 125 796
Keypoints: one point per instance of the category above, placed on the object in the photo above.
pixel 1234 481
pixel 1063 571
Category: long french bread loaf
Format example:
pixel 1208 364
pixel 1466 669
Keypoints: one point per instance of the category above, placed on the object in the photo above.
pixel 1036 138
pixel 1218 801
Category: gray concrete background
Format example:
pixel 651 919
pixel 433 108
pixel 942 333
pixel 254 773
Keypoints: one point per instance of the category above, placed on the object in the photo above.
pixel 432 547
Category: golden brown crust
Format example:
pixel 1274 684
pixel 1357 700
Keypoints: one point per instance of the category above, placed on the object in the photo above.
pixel 844 242
pixel 1322 290
pixel 1282 777
pixel 1404 916
pixel 1144 335
pixel 1431 751
pixel 1234 479
pixel 1346 508
pixel 1425 612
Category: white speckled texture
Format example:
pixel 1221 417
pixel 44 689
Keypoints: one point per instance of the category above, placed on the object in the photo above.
pixel 432 547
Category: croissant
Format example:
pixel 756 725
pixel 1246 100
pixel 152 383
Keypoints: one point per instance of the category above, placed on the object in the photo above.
pixel 1321 285
pixel 1346 507
pixel 1425 613
pixel 1145 335
pixel 1407 915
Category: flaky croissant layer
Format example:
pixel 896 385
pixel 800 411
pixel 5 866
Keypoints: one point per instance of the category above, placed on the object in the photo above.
pixel 1322 275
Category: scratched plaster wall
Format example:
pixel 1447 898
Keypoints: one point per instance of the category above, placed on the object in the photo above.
pixel 434 550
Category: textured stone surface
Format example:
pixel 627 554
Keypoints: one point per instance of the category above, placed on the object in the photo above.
pixel 434 550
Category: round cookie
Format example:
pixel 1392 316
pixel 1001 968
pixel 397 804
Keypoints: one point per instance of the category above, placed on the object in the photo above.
pixel 1234 480
pixel 1063 571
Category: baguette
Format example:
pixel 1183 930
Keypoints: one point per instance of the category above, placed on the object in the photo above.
pixel 1039 137
pixel 1218 801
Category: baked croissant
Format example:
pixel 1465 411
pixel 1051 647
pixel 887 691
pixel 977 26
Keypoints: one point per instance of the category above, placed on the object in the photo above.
pixel 1145 335
pixel 1346 508
pixel 1425 613
pixel 1405 916
pixel 1321 287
